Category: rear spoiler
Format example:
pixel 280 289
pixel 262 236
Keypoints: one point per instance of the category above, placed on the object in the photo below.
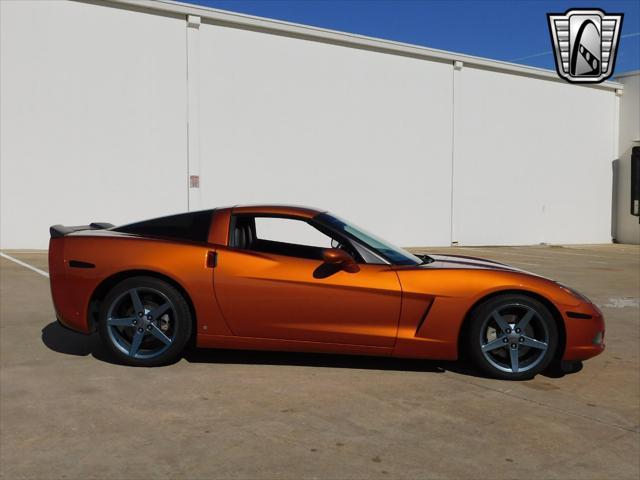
pixel 58 231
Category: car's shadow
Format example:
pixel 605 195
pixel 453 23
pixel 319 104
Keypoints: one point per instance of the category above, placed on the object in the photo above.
pixel 59 339
pixel 321 360
pixel 62 340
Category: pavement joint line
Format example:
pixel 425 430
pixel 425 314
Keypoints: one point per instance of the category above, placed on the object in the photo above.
pixel 542 404
pixel 25 265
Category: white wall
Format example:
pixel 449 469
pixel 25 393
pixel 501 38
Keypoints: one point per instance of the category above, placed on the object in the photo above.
pixel 627 226
pixel 95 102
pixel 93 117
pixel 532 160
pixel 363 134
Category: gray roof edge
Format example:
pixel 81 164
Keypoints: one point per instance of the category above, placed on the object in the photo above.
pixel 632 73
pixel 348 39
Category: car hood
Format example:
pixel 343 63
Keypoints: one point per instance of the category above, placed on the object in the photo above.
pixel 470 263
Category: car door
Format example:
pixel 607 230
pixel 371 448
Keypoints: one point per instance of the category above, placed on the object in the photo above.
pixel 280 293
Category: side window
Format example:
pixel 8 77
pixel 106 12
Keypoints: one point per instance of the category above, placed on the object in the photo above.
pixel 192 226
pixel 288 236
pixel 289 230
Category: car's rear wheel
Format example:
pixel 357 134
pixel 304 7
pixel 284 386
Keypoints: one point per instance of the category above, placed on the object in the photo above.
pixel 512 337
pixel 145 321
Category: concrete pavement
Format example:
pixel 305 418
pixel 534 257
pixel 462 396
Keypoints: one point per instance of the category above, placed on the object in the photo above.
pixel 67 411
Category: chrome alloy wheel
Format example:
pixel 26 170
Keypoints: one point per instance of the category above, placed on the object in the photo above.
pixel 141 323
pixel 514 338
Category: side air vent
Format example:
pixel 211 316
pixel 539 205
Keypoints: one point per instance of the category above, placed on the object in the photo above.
pixel 424 316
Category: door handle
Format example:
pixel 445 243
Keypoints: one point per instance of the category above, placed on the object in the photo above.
pixel 212 259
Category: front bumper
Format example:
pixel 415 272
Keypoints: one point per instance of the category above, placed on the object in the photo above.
pixel 584 326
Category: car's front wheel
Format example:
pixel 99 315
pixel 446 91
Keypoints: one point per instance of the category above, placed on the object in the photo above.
pixel 512 337
pixel 145 321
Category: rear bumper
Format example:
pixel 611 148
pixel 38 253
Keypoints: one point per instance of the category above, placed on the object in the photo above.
pixel 70 327
pixel 68 292
pixel 585 332
pixel 70 316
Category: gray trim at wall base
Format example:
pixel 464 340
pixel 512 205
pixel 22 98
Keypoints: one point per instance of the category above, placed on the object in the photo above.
pixel 248 22
pixel 632 73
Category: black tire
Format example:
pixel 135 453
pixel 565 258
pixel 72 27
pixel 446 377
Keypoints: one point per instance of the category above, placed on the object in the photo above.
pixel 494 337
pixel 132 335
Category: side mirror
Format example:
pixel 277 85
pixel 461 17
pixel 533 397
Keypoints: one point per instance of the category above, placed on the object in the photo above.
pixel 340 258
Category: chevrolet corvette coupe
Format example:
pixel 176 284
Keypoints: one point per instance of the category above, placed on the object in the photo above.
pixel 299 279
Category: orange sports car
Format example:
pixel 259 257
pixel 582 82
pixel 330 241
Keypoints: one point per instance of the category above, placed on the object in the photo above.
pixel 301 279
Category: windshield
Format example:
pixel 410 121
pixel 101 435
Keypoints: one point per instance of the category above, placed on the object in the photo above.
pixel 392 253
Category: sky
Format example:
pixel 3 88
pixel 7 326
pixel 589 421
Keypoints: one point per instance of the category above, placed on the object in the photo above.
pixel 513 31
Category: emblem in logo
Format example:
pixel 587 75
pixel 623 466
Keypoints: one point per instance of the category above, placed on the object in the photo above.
pixel 585 44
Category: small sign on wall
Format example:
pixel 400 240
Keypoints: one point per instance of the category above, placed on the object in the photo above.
pixel 194 181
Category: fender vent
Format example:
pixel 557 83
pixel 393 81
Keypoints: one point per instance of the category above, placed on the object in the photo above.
pixel 424 316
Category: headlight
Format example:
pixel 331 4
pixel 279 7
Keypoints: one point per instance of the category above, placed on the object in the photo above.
pixel 575 293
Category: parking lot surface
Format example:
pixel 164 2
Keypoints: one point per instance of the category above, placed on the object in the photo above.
pixel 67 411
